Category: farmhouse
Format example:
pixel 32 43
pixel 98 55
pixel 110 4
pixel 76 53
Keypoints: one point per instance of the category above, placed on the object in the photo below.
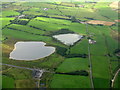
pixel 45 9
pixel 20 16
pixel 91 41
pixel 38 73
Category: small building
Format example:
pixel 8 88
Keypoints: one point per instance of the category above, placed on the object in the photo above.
pixel 92 41
pixel 38 73
pixel 21 16
pixel 82 6
pixel 45 9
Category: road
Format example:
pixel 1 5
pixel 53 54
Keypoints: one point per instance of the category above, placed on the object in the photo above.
pixel 32 69
pixel 89 56
pixel 41 71
pixel 20 67
pixel 90 62
pixel 113 80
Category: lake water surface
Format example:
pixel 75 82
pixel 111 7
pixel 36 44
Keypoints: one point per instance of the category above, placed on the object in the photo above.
pixel 31 51
pixel 68 39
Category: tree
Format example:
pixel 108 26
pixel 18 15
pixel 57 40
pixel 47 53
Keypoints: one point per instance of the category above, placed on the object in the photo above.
pixel 73 19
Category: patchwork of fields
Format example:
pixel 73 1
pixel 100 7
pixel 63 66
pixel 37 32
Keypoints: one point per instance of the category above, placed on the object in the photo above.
pixel 82 65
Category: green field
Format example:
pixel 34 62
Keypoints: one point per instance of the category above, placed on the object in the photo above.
pixel 7 82
pixel 5 21
pixel 27 36
pixel 39 21
pixel 46 26
pixel 9 13
pixel 26 29
pixel 100 76
pixel 82 47
pixel 73 64
pixel 17 78
pixel 65 81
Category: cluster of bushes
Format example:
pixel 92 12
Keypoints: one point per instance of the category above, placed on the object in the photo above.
pixel 62 51
pixel 73 19
pixel 81 72
pixel 61 18
pixel 42 16
pixel 11 16
pixel 90 18
pixel 24 17
pixel 29 16
pixel 8 75
pixel 17 21
pixel 4 39
pixel 76 55
pixel 117 53
pixel 67 4
pixel 37 28
pixel 54 17
pixel 25 31
pixel 20 11
pixel 61 31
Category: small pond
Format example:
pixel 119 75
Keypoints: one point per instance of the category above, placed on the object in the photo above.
pixel 31 51
pixel 68 39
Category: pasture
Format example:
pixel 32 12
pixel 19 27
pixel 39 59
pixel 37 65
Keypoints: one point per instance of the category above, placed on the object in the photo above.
pixel 5 21
pixel 73 64
pixel 7 82
pixel 42 20
pixel 18 78
pixel 9 13
pixel 65 81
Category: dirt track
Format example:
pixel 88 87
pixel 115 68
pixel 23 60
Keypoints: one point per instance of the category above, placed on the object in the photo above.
pixel 113 80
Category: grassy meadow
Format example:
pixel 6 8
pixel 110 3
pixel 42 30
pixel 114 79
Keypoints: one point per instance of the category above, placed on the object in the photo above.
pixel 39 21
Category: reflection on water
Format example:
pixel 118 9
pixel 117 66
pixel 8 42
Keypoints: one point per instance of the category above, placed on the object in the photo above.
pixel 68 39
pixel 31 51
